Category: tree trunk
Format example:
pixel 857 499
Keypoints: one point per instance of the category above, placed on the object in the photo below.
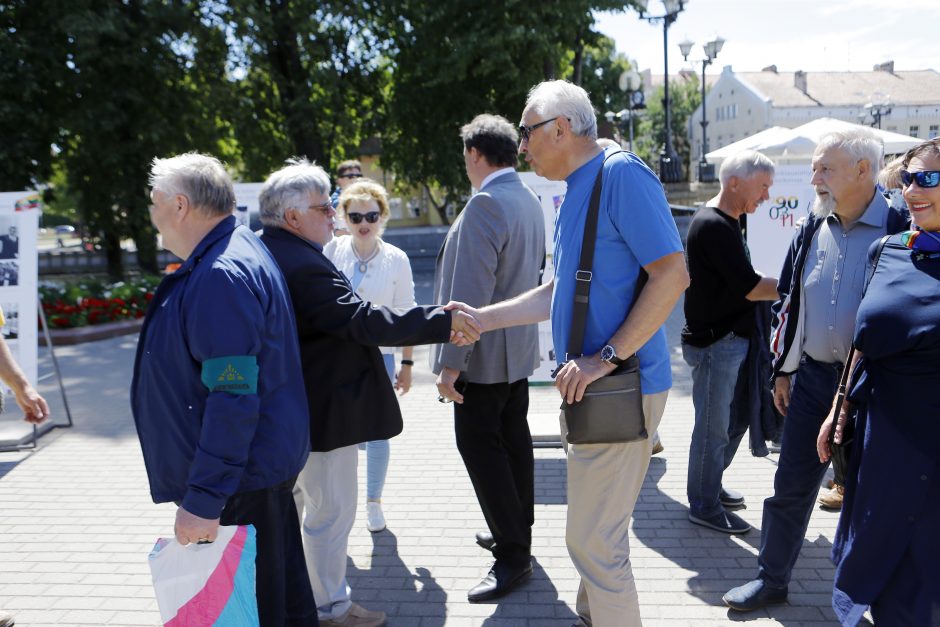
pixel 146 243
pixel 578 62
pixel 441 209
pixel 114 255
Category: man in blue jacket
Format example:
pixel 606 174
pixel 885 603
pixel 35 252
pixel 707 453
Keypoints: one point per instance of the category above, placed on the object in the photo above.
pixel 218 396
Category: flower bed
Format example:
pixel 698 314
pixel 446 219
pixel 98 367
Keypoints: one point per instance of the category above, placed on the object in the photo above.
pixel 94 302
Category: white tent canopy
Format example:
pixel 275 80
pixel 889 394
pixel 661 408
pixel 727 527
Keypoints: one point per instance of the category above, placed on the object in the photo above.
pixel 800 142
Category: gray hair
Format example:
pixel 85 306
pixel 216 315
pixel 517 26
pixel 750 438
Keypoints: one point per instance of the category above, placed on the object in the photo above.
pixel 567 100
pixel 858 143
pixel 201 178
pixel 744 165
pixel 288 188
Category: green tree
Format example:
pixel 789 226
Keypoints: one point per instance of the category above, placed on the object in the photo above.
pixel 684 98
pixel 143 82
pixel 32 66
pixel 309 78
pixel 454 60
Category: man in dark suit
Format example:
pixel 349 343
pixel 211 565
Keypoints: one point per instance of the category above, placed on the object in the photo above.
pixel 493 252
pixel 349 394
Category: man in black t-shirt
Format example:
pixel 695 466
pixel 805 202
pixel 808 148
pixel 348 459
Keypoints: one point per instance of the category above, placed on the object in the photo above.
pixel 719 319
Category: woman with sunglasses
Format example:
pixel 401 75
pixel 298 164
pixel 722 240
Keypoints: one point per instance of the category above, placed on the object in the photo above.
pixel 381 274
pixel 887 549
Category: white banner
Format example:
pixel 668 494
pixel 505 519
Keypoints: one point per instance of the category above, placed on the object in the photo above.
pixel 246 201
pixel 770 229
pixel 19 263
pixel 551 194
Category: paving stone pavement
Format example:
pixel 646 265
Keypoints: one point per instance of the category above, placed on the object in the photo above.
pixel 77 523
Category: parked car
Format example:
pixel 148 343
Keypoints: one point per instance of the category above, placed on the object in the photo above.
pixel 64 229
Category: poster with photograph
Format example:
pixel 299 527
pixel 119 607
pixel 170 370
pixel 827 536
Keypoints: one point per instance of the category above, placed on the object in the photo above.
pixel 551 194
pixel 246 204
pixel 770 229
pixel 19 230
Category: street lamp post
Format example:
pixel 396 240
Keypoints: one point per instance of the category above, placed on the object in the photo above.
pixel 706 171
pixel 632 85
pixel 876 110
pixel 670 168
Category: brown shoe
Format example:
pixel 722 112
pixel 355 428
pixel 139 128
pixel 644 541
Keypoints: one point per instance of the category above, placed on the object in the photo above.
pixel 357 616
pixel 832 499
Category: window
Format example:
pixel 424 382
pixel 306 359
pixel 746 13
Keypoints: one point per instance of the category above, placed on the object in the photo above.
pixel 915 130
pixel 933 131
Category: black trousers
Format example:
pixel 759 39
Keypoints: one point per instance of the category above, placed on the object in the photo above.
pixel 494 441
pixel 285 598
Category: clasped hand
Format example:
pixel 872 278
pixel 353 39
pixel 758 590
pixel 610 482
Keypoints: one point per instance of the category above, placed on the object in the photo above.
pixel 465 329
pixel 822 440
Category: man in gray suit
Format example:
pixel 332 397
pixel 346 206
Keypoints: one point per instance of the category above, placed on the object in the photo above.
pixel 494 251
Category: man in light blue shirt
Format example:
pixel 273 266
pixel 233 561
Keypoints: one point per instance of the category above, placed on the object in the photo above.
pixel 635 230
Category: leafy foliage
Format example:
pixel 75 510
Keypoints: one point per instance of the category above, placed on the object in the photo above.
pixel 684 98
pixel 92 301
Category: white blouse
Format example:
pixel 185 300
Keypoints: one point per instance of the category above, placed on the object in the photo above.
pixel 387 281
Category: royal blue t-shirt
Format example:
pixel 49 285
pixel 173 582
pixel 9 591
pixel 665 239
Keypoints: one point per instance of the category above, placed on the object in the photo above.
pixel 634 228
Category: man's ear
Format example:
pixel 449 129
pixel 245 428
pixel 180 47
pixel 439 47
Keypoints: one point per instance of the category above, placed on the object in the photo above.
pixel 183 207
pixel 562 127
pixel 864 168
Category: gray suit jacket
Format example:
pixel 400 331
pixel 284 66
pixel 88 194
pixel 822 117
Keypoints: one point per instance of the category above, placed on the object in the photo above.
pixel 493 252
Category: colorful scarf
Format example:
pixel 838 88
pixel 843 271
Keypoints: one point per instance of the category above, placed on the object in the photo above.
pixel 923 244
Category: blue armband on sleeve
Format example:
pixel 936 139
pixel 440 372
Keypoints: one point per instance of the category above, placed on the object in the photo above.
pixel 237 374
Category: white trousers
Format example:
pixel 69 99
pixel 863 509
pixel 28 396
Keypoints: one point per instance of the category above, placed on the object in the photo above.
pixel 328 486
pixel 604 481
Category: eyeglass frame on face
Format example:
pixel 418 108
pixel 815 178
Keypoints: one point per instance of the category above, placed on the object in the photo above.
pixel 324 208
pixel 350 175
pixel 371 217
pixel 907 178
pixel 525 132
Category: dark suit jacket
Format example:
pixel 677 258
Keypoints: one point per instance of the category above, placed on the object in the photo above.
pixel 348 391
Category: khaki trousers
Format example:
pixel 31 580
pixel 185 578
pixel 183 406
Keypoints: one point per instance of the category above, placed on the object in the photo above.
pixel 604 481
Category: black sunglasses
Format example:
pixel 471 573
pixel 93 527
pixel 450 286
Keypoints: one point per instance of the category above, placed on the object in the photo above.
pixel 356 218
pixel 526 131
pixel 926 179
pixel 351 175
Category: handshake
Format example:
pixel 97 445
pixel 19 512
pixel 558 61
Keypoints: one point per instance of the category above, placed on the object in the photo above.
pixel 466 324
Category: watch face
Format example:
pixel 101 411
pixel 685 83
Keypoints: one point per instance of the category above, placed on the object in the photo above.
pixel 607 352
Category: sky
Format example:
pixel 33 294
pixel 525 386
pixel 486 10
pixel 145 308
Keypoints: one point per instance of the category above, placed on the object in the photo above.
pixel 809 35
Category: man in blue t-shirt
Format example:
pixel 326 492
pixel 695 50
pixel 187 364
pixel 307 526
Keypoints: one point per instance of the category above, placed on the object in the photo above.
pixel 635 230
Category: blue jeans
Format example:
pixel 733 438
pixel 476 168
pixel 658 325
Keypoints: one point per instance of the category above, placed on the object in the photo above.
pixel 799 473
pixel 715 370
pixel 377 451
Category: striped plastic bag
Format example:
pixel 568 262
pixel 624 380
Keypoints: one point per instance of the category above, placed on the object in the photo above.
pixel 207 584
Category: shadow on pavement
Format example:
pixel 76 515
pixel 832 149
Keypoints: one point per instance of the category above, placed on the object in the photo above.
pixel 551 479
pixel 389 583
pixel 514 610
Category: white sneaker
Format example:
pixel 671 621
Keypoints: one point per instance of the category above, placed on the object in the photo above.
pixel 375 519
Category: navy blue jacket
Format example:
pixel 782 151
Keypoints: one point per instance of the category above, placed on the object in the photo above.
pixel 229 299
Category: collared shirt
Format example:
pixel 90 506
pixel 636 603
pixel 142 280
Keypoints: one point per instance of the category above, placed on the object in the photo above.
pixel 634 229
pixel 833 280
pixel 494 175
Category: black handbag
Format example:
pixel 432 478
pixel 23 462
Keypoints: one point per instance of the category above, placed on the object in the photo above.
pixel 841 452
pixel 611 409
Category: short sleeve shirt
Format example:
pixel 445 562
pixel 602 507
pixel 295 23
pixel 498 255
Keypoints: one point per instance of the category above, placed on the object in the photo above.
pixel 635 228
pixel 721 274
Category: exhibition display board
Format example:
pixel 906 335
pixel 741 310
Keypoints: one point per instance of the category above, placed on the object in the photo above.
pixel 19 230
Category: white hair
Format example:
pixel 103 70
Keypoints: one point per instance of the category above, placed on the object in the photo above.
pixel 567 100
pixel 288 188
pixel 859 144
pixel 744 165
pixel 201 178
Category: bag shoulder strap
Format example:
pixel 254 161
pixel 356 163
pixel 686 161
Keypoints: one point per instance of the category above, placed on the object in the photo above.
pixel 584 274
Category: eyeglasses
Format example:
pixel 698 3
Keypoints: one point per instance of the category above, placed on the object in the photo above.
pixel 351 175
pixel 526 131
pixel 326 207
pixel 356 218
pixel 926 179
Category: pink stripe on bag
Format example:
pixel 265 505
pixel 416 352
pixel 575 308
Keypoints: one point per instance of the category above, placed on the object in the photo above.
pixel 207 604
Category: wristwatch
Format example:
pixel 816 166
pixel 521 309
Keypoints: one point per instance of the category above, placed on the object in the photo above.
pixel 609 355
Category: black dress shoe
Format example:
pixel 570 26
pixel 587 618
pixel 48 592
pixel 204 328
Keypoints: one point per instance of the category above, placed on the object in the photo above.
pixel 485 539
pixel 500 581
